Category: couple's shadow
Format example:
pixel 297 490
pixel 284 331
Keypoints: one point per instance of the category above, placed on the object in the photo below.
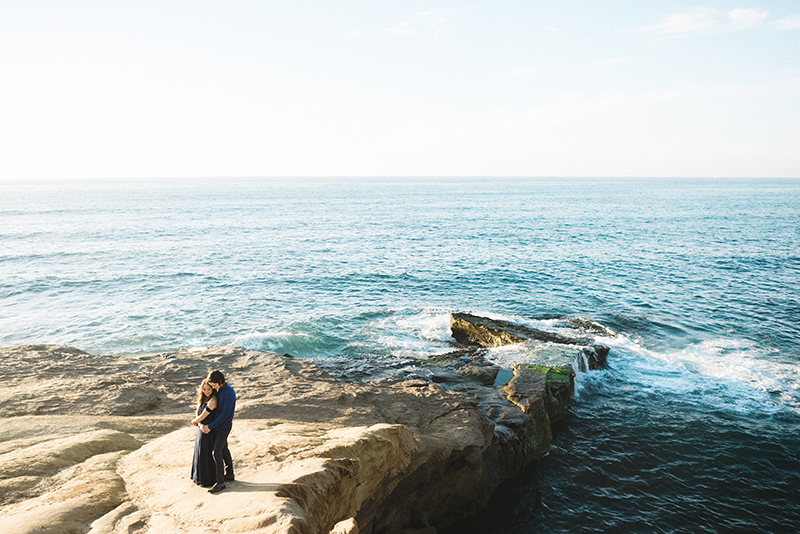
pixel 244 486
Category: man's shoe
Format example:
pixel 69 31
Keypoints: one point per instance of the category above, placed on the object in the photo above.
pixel 229 478
pixel 217 488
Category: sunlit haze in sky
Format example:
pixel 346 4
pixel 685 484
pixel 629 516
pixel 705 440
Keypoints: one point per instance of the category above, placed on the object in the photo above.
pixel 403 88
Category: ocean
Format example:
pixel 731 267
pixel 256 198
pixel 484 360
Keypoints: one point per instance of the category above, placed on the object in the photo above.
pixel 694 426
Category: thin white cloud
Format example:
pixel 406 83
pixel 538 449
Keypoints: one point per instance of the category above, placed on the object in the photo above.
pixel 431 23
pixel 742 19
pixel 521 72
pixel 696 21
pixel 705 20
pixel 614 61
pixel 403 28
pixel 792 22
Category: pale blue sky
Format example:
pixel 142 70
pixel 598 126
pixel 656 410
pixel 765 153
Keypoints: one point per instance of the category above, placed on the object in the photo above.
pixel 299 88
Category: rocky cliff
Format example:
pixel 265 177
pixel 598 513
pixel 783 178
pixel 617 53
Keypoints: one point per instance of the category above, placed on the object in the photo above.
pixel 102 444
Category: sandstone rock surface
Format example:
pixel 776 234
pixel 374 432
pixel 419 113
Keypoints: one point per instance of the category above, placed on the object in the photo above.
pixel 103 444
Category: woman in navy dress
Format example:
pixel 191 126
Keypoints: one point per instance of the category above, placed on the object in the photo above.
pixel 203 466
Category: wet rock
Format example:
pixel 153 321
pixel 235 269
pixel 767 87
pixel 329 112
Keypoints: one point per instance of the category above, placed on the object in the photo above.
pixel 473 330
pixel 470 364
pixel 528 391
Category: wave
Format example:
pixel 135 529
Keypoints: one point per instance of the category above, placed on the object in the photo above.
pixel 299 344
pixel 723 373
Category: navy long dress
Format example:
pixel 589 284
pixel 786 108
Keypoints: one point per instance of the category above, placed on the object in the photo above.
pixel 203 467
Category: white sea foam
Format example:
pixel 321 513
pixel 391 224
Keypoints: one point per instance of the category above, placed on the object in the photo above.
pixel 429 325
pixel 274 340
pixel 413 333
pixel 726 373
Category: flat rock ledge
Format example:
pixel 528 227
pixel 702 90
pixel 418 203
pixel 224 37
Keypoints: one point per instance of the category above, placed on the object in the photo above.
pixel 103 444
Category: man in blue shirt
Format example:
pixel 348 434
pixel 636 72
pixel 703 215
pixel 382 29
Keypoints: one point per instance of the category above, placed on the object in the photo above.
pixel 221 427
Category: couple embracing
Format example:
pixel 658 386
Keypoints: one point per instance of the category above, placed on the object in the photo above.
pixel 216 402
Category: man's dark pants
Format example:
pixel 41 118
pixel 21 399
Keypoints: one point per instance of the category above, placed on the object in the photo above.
pixel 221 454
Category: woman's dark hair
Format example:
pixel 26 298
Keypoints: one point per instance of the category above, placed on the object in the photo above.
pixel 217 377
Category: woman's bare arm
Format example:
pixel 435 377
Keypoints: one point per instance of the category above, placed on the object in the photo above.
pixel 212 404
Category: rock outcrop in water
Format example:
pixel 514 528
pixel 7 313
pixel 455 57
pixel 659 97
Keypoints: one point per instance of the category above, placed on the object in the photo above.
pixel 103 444
pixel 478 331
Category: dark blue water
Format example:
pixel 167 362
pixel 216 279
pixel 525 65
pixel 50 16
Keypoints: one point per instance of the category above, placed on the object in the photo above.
pixel 693 428
pixel 637 460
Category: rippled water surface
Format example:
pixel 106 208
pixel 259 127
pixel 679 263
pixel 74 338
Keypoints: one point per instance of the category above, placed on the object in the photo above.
pixel 693 427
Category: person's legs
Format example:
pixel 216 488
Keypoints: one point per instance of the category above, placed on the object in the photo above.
pixel 228 461
pixel 220 453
